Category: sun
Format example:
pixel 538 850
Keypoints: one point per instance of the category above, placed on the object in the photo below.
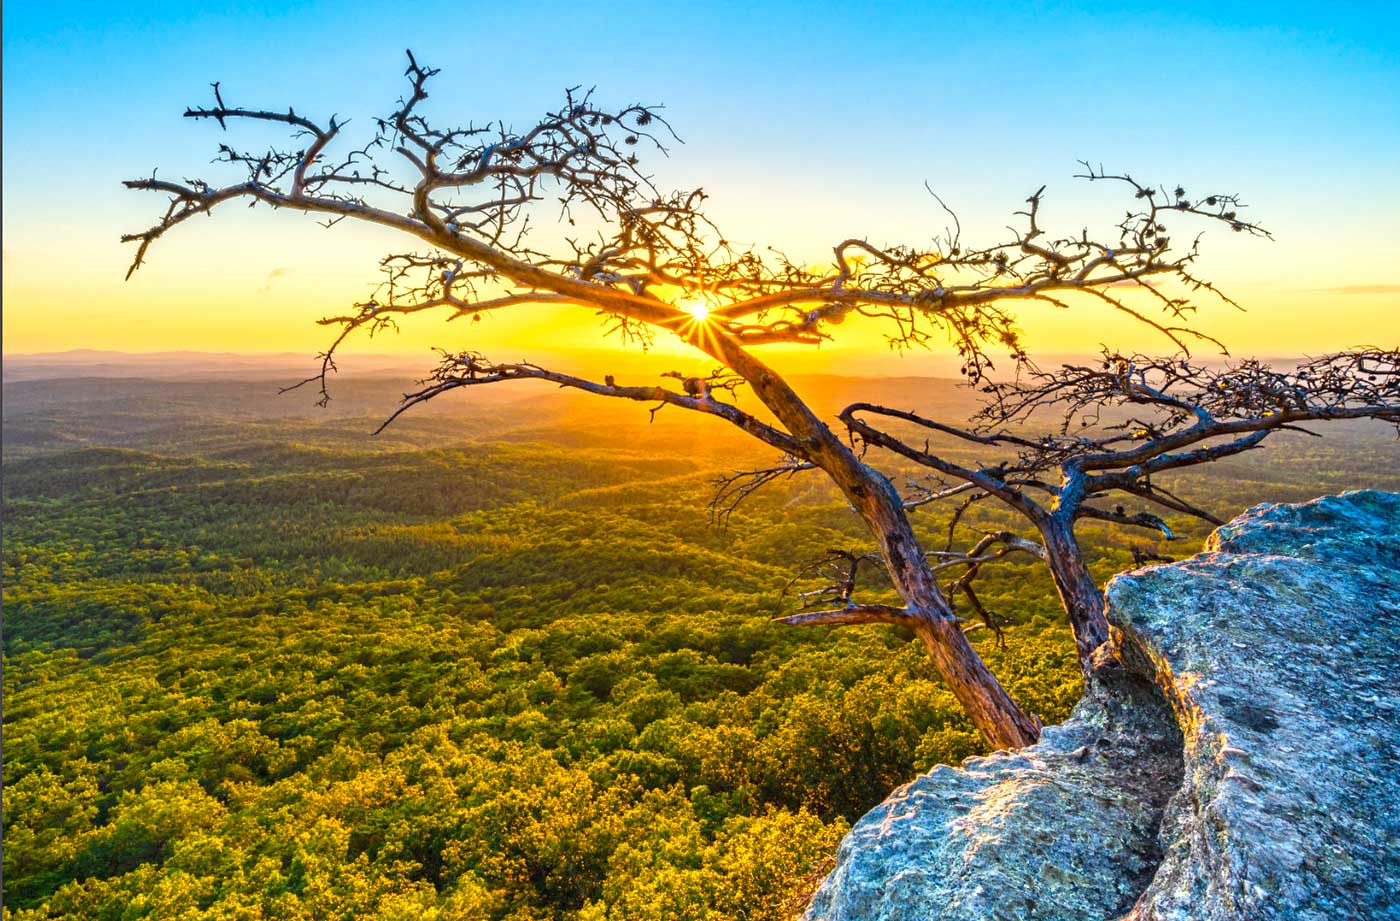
pixel 700 311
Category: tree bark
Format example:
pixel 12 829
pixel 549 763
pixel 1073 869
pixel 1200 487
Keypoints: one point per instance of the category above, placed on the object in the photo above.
pixel 1000 720
pixel 997 716
pixel 1079 594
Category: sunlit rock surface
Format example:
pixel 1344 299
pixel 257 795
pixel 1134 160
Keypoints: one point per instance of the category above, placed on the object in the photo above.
pixel 1064 829
pixel 1269 788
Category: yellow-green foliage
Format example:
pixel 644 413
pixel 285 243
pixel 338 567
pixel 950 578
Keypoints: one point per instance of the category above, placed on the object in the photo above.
pixel 499 681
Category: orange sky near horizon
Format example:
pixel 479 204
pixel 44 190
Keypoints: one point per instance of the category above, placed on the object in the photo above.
pixel 238 284
pixel 1297 113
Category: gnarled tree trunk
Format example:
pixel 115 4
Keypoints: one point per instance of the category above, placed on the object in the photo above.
pixel 997 716
pixel 1000 719
pixel 1079 594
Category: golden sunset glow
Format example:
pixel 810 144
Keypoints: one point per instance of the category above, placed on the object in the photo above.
pixel 248 283
pixel 568 461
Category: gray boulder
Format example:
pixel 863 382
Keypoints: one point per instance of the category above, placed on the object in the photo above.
pixel 1248 766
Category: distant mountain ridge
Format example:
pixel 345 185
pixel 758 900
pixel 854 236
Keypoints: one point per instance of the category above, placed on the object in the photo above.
pixel 200 365
pixel 184 363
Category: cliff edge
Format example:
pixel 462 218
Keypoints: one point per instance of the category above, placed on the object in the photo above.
pixel 1248 766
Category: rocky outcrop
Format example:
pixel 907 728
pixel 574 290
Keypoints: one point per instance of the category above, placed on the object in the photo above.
pixel 1064 829
pixel 1249 768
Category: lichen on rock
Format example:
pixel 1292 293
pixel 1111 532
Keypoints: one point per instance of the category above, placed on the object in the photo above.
pixel 1250 772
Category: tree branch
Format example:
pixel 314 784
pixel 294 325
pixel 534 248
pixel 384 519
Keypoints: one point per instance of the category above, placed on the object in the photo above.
pixel 732 489
pixel 855 614
pixel 471 369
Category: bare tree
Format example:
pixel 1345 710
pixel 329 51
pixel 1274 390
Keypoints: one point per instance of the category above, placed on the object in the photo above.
pixel 650 262
pixel 1171 414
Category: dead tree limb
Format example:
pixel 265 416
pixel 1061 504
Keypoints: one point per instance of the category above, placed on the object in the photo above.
pixel 1175 414
pixel 650 262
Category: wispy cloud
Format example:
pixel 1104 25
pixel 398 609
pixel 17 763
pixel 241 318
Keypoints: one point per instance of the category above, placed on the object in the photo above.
pixel 278 272
pixel 1361 289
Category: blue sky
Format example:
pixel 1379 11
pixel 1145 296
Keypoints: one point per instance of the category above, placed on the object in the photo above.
pixel 806 122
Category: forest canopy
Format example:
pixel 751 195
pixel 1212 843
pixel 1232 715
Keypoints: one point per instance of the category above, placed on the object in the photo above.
pixel 273 669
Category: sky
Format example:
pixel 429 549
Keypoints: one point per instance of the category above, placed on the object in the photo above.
pixel 806 123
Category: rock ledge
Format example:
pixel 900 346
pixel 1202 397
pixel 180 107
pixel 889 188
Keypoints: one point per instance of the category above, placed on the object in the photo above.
pixel 1251 771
